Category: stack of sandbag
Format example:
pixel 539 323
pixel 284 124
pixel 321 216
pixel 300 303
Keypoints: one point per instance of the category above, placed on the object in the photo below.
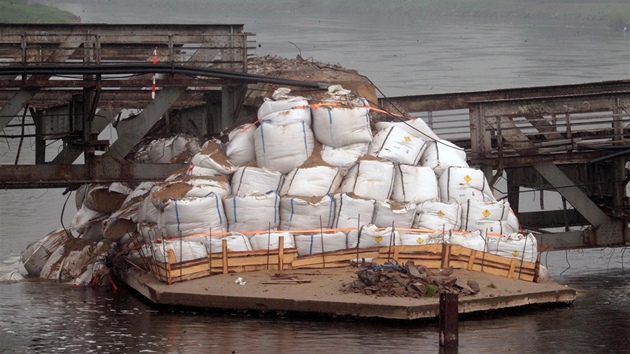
pixel 95 204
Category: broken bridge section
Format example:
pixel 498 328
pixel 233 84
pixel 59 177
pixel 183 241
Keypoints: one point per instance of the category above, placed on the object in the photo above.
pixel 571 140
pixel 69 82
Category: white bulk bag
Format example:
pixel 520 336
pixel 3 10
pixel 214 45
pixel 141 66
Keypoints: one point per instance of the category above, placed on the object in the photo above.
pixel 442 154
pixel 235 243
pixel 184 250
pixel 86 216
pixel 414 184
pixel 148 231
pixel 319 243
pixel 252 212
pixel 421 238
pixel 370 179
pixel 271 241
pixel 524 248
pixel 189 187
pixel 353 211
pixel 488 217
pixel 68 261
pixel 303 213
pixel 416 127
pixel 371 236
pixel 188 216
pixel 511 225
pixel 311 181
pixel 36 254
pixel 473 240
pixel 344 157
pixel 342 121
pixel 282 108
pixel 198 171
pixel 397 145
pixel 283 147
pixel 388 213
pixel 214 158
pixel 147 212
pixel 458 184
pixel 251 180
pixel 433 215
pixel 171 149
pixel 240 147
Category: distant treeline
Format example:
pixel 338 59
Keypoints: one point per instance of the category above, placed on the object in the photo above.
pixel 20 11
pixel 611 13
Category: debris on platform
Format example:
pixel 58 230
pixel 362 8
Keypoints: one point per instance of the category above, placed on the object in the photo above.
pixel 410 280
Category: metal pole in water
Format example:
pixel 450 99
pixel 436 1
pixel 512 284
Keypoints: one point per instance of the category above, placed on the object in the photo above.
pixel 449 327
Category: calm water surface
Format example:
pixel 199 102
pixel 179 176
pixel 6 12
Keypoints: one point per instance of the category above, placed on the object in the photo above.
pixel 401 59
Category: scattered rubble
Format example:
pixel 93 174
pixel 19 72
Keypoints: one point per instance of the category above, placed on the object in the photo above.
pixel 410 280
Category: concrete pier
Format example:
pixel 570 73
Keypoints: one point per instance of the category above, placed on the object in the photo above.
pixel 319 291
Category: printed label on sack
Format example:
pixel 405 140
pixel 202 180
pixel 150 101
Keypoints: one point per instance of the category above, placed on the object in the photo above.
pixel 440 213
pixel 420 240
pixel 407 138
pixel 516 253
pixel 378 239
pixel 467 178
pixel 486 213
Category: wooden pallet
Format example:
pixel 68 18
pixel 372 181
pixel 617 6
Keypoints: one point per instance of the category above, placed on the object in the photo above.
pixel 221 263
pixel 459 257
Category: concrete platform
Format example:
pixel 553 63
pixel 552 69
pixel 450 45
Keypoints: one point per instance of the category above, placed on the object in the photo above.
pixel 322 295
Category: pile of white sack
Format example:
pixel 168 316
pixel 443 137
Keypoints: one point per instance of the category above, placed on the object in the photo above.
pixel 320 175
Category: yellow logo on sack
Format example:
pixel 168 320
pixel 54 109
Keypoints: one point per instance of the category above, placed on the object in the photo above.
pixel 420 240
pixel 378 239
pixel 467 178
pixel 486 213
pixel 516 253
pixel 407 138
pixel 440 213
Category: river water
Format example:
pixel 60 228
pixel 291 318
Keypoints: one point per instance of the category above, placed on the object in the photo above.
pixel 401 58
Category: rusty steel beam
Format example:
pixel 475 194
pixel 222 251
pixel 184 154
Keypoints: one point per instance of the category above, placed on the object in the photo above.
pixel 105 171
pixel 460 100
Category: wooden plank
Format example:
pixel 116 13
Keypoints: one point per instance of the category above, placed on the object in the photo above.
pixel 512 267
pixel 446 255
pixel 280 253
pixel 329 258
pixel 471 260
pixel 225 256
